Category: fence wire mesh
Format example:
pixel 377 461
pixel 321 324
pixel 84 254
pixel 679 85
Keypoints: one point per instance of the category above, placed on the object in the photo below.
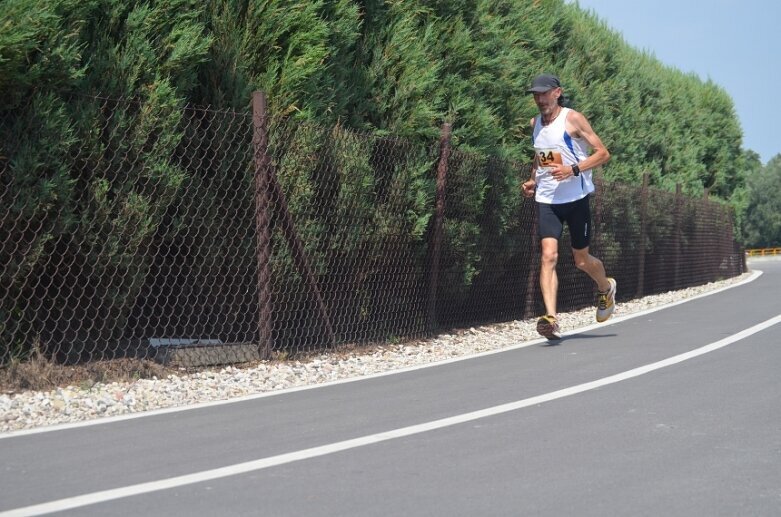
pixel 196 236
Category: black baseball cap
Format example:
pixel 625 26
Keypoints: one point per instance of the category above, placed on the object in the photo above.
pixel 543 83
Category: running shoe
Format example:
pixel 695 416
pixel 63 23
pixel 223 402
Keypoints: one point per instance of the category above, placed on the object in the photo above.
pixel 606 302
pixel 548 327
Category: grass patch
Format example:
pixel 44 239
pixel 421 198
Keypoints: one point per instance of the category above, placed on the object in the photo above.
pixel 41 374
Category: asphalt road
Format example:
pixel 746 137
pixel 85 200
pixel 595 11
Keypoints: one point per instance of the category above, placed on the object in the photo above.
pixel 676 412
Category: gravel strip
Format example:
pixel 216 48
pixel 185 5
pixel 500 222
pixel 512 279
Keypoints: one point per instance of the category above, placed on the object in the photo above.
pixel 35 409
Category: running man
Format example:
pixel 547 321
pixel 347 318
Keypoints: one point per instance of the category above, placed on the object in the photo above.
pixel 561 183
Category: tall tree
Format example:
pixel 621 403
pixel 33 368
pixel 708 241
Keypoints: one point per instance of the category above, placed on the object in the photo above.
pixel 762 221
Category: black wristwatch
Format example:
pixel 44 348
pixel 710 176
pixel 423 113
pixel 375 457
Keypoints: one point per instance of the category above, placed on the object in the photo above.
pixel 575 170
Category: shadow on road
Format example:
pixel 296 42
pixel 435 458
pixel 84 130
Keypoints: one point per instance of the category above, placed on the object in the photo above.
pixel 575 337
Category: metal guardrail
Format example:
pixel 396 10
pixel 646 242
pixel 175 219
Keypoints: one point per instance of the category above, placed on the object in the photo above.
pixel 762 252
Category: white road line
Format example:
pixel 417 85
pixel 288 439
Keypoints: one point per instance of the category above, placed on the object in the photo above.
pixel 281 459
pixel 107 420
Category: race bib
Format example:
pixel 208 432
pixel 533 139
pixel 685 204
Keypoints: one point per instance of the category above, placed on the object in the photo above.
pixel 548 157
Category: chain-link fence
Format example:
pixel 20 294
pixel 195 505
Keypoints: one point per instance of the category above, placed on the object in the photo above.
pixel 197 236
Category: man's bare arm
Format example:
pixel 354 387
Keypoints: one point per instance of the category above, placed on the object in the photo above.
pixel 584 130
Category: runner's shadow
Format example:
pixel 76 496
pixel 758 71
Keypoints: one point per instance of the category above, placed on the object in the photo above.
pixel 574 337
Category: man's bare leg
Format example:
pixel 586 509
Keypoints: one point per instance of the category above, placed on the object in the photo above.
pixel 549 280
pixel 592 266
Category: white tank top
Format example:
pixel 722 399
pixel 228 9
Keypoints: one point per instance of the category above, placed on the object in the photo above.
pixel 552 144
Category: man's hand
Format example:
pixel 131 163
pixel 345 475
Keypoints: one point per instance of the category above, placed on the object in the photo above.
pixel 560 172
pixel 528 188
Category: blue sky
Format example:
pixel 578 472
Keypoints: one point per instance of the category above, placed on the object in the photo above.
pixel 735 43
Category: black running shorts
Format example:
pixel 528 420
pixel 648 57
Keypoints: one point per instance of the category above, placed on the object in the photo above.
pixel 576 214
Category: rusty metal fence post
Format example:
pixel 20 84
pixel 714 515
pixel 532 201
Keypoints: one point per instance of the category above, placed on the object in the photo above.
pixel 299 254
pixel 439 221
pixel 267 187
pixel 643 238
pixel 599 209
pixel 677 237
pixel 262 162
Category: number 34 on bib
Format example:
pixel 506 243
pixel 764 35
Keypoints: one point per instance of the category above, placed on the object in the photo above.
pixel 548 157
